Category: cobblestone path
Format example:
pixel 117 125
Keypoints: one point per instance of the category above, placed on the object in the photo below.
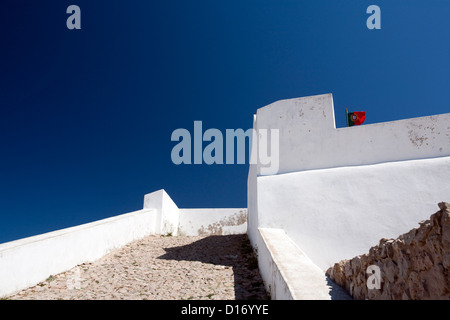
pixel 162 268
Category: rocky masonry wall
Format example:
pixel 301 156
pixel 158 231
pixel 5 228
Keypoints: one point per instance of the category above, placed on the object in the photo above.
pixel 416 265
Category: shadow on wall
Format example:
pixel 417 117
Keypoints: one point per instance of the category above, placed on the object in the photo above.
pixel 336 292
pixel 230 250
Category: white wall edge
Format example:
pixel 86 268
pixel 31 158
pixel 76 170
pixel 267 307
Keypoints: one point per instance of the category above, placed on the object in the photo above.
pixel 214 221
pixel 289 274
pixel 29 261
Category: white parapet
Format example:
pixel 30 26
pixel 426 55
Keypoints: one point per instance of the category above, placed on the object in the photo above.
pixel 172 220
pixel 26 262
pixel 198 222
pixel 289 274
pixel 338 191
pixel 340 213
pixel 309 139
pixel 167 212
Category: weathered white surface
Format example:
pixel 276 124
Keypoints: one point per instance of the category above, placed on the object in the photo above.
pixel 198 222
pixel 194 222
pixel 252 186
pixel 309 138
pixel 167 211
pixel 26 262
pixel 339 191
pixel 339 213
pixel 289 274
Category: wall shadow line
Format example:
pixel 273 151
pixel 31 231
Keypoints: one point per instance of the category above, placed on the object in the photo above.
pixel 226 250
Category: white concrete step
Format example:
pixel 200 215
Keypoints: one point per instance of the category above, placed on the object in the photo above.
pixel 292 274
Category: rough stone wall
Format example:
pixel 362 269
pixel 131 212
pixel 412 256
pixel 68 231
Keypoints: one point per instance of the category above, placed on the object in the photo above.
pixel 414 266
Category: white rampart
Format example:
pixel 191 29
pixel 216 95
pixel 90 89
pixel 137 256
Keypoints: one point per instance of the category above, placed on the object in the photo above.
pixel 291 275
pixel 335 214
pixel 167 212
pixel 195 222
pixel 309 139
pixel 26 262
pixel 336 193
pixel 339 191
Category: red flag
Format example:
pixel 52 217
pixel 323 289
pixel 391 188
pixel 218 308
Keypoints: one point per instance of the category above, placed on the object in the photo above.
pixel 356 118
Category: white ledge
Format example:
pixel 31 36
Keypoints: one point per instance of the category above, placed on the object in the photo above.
pixel 292 274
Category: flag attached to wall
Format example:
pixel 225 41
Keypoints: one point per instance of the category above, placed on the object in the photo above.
pixel 356 118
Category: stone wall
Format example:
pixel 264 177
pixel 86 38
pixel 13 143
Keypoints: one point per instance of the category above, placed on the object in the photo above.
pixel 416 265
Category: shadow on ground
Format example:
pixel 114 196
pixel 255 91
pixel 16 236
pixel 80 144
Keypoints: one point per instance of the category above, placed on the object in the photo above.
pixel 336 292
pixel 226 250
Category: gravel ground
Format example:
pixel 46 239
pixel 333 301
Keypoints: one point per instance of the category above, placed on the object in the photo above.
pixel 161 268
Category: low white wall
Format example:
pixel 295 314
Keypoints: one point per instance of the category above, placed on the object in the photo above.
pixel 198 222
pixel 276 285
pixel 309 138
pixel 193 222
pixel 252 187
pixel 26 262
pixel 167 211
pixel 289 274
pixel 339 191
pixel 336 214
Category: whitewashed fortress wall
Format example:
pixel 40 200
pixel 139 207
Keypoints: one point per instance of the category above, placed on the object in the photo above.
pixel 338 191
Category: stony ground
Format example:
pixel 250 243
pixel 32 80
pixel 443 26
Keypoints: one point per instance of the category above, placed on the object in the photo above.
pixel 162 268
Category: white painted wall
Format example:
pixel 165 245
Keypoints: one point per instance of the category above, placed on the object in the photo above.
pixel 335 214
pixel 26 262
pixel 167 211
pixel 252 187
pixel 194 222
pixel 289 274
pixel 309 138
pixel 339 191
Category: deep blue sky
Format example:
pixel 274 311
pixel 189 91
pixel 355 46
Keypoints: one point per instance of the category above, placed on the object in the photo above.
pixel 87 115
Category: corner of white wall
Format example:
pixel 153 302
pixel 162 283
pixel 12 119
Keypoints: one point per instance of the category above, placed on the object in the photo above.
pixel 320 170
pixel 252 192
pixel 168 214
